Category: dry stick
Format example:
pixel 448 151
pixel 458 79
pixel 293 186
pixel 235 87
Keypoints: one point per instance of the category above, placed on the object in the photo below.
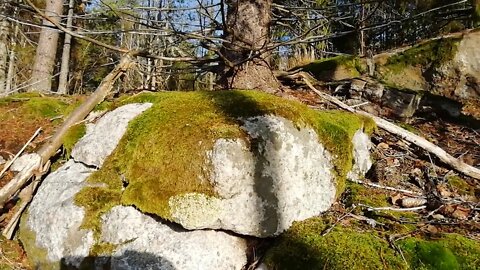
pixel 388 188
pixel 49 149
pixel 370 208
pixel 20 152
pixel 404 134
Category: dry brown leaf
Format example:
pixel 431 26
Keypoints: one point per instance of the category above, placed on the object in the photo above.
pixel 443 190
pixel 461 213
pixel 383 146
pixel 396 199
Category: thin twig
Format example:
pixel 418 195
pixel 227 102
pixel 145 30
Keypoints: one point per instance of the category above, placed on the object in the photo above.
pixel 20 152
pixel 388 188
pixel 370 208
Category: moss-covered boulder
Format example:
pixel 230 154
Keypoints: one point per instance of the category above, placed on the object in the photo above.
pixel 336 68
pixel 242 161
pixel 447 67
pixel 310 245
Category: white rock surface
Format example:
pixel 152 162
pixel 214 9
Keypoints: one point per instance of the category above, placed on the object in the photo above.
pixel 361 155
pixel 286 177
pixel 144 243
pixel 102 138
pixel 141 241
pixel 25 161
pixel 55 219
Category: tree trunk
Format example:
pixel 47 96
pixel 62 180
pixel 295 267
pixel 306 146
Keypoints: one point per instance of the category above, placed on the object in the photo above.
pixel 247 32
pixel 4 30
pixel 65 67
pixel 44 63
pixel 476 12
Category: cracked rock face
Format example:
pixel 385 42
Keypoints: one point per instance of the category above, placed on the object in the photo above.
pixel 285 176
pixel 145 243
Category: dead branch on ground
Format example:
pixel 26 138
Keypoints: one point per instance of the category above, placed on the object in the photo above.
pixel 441 154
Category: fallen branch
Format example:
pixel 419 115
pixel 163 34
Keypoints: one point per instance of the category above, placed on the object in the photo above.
pixel 50 148
pixel 404 134
pixel 20 152
pixel 388 188
pixel 370 208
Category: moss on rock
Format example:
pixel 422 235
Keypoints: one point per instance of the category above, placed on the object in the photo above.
pixel 163 153
pixel 407 69
pixel 39 254
pixel 73 135
pixel 304 247
pixel 336 68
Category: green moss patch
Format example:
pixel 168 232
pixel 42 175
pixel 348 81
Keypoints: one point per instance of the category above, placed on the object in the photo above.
pixel 163 152
pixel 336 68
pixel 460 185
pixel 451 251
pixel 73 135
pixel 304 247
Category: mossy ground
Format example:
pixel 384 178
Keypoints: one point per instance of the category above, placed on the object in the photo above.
pixel 22 114
pixel 304 247
pixel 336 68
pixel 12 255
pixel 163 152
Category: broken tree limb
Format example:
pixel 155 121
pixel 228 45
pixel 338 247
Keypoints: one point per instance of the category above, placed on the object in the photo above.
pixel 50 148
pixel 441 154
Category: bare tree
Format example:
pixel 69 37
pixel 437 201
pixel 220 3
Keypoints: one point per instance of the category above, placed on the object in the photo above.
pixel 44 62
pixel 65 65
pixel 4 34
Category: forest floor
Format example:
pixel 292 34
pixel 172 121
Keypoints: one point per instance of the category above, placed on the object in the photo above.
pixel 399 166
pixel 401 171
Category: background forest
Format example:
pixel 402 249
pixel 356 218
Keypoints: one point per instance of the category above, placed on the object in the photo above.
pixel 183 38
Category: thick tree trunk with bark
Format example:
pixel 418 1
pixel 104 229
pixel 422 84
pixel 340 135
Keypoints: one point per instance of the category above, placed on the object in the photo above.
pixel 4 33
pixel 44 62
pixel 247 32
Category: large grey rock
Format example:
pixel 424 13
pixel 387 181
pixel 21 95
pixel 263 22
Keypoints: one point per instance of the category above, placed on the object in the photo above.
pixel 144 243
pixel 53 223
pixel 102 137
pixel 287 176
pixel 55 219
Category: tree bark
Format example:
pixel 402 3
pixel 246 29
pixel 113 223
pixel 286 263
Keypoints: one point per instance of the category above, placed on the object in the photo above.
pixel 65 66
pixel 247 32
pixel 44 63
pixel 4 33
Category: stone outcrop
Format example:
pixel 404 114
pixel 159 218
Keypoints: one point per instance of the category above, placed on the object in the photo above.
pixel 276 170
